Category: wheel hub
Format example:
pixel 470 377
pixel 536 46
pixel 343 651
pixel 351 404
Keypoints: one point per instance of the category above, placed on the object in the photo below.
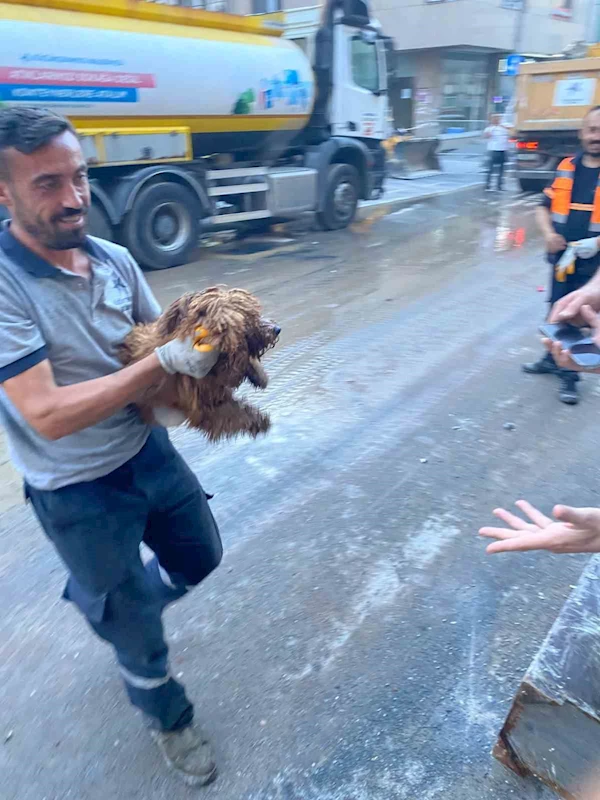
pixel 169 226
pixel 344 199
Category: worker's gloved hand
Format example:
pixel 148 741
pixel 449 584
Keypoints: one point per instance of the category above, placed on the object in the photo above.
pixel 188 356
pixel 587 248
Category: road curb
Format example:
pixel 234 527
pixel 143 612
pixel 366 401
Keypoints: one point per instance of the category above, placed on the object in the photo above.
pixel 388 206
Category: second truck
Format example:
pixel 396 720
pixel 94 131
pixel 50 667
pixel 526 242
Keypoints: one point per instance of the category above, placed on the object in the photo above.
pixel 193 120
pixel 552 99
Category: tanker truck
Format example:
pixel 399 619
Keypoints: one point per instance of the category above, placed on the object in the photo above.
pixel 193 120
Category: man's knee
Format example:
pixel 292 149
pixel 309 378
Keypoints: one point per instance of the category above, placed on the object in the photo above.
pixel 204 561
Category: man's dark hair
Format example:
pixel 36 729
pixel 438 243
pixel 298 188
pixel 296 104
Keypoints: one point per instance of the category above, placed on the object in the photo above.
pixel 27 129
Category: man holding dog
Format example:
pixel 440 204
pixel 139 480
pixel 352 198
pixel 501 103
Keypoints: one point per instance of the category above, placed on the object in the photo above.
pixel 99 479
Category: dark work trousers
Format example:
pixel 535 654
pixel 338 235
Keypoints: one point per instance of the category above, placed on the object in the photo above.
pixel 97 528
pixel 496 161
pixel 558 290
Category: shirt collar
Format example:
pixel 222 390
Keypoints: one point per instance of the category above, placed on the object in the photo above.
pixel 28 260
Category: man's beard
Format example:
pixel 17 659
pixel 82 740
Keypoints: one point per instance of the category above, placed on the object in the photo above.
pixel 592 153
pixel 49 234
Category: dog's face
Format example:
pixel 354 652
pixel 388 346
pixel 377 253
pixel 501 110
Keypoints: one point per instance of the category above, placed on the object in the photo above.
pixel 263 338
pixel 236 328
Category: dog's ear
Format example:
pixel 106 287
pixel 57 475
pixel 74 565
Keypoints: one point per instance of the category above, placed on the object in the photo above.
pixel 174 316
pixel 224 316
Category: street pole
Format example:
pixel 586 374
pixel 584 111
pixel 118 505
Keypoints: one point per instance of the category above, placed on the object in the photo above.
pixel 591 24
pixel 517 46
pixel 520 25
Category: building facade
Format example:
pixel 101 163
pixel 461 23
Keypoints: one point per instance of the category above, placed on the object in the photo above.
pixel 450 67
pixel 448 70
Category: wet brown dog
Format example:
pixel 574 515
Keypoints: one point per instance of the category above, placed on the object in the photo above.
pixel 232 318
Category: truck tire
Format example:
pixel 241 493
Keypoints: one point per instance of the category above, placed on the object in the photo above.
pixel 162 228
pixel 99 224
pixel 341 197
pixel 531 185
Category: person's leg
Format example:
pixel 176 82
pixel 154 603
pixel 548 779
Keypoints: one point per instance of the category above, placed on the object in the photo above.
pixel 546 365
pixel 181 531
pixel 568 379
pixel 490 169
pixel 130 620
pixel 97 528
pixel 501 159
pixel 184 537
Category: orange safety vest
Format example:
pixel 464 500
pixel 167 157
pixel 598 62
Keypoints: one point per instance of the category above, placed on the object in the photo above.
pixel 560 194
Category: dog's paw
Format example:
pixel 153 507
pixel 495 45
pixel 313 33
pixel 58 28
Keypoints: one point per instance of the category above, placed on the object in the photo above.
pixel 168 417
pixel 256 374
pixel 259 425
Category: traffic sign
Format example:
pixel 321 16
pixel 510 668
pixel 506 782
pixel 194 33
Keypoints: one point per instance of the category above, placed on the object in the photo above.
pixel 512 63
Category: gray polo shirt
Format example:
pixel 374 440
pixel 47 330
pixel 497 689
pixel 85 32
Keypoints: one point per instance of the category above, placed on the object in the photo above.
pixel 78 324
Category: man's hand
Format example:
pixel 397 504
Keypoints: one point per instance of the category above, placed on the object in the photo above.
pixel 187 357
pixel 587 248
pixel 562 357
pixel 568 308
pixel 576 530
pixel 555 242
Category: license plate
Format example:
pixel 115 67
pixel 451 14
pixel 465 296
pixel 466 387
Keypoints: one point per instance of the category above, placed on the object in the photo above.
pixel 527 157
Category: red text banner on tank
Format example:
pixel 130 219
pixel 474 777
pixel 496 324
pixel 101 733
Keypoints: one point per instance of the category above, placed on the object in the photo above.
pixel 68 77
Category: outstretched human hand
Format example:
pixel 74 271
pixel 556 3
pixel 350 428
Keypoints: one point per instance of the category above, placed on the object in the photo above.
pixel 573 530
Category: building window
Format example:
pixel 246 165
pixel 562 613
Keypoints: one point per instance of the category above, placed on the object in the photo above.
pixel 464 85
pixel 365 67
pixel 265 6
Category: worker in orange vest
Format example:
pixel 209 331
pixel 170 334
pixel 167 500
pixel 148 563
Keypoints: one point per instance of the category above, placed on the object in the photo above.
pixel 569 219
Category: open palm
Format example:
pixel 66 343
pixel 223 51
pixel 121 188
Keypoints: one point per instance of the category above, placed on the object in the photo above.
pixel 574 530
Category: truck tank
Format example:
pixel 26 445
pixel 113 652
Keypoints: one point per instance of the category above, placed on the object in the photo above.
pixel 232 81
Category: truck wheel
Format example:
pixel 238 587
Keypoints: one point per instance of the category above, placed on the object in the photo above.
pixel 341 197
pixel 163 227
pixel 531 185
pixel 98 223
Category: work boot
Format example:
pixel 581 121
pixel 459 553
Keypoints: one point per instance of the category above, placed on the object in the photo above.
pixel 188 753
pixel 567 392
pixel 545 366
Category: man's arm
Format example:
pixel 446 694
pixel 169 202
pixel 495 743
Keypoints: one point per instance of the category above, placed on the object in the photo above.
pixel 145 305
pixel 57 411
pixel 554 241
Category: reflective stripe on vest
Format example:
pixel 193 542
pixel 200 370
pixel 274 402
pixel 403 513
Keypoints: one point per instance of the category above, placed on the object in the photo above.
pixel 561 192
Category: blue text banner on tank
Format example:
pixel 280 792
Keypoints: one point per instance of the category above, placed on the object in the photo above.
pixel 61 94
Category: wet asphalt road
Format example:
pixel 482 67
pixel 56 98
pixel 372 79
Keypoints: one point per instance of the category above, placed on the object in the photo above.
pixel 356 643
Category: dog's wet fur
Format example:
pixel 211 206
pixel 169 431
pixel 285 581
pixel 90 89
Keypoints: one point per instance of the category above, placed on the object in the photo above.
pixel 242 336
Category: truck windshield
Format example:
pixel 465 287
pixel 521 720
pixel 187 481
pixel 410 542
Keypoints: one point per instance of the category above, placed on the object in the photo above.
pixel 365 68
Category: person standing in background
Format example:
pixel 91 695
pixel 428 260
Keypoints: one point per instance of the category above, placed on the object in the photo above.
pixel 569 213
pixel 498 135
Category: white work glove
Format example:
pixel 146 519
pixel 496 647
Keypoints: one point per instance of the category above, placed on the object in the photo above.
pixel 587 248
pixel 187 357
